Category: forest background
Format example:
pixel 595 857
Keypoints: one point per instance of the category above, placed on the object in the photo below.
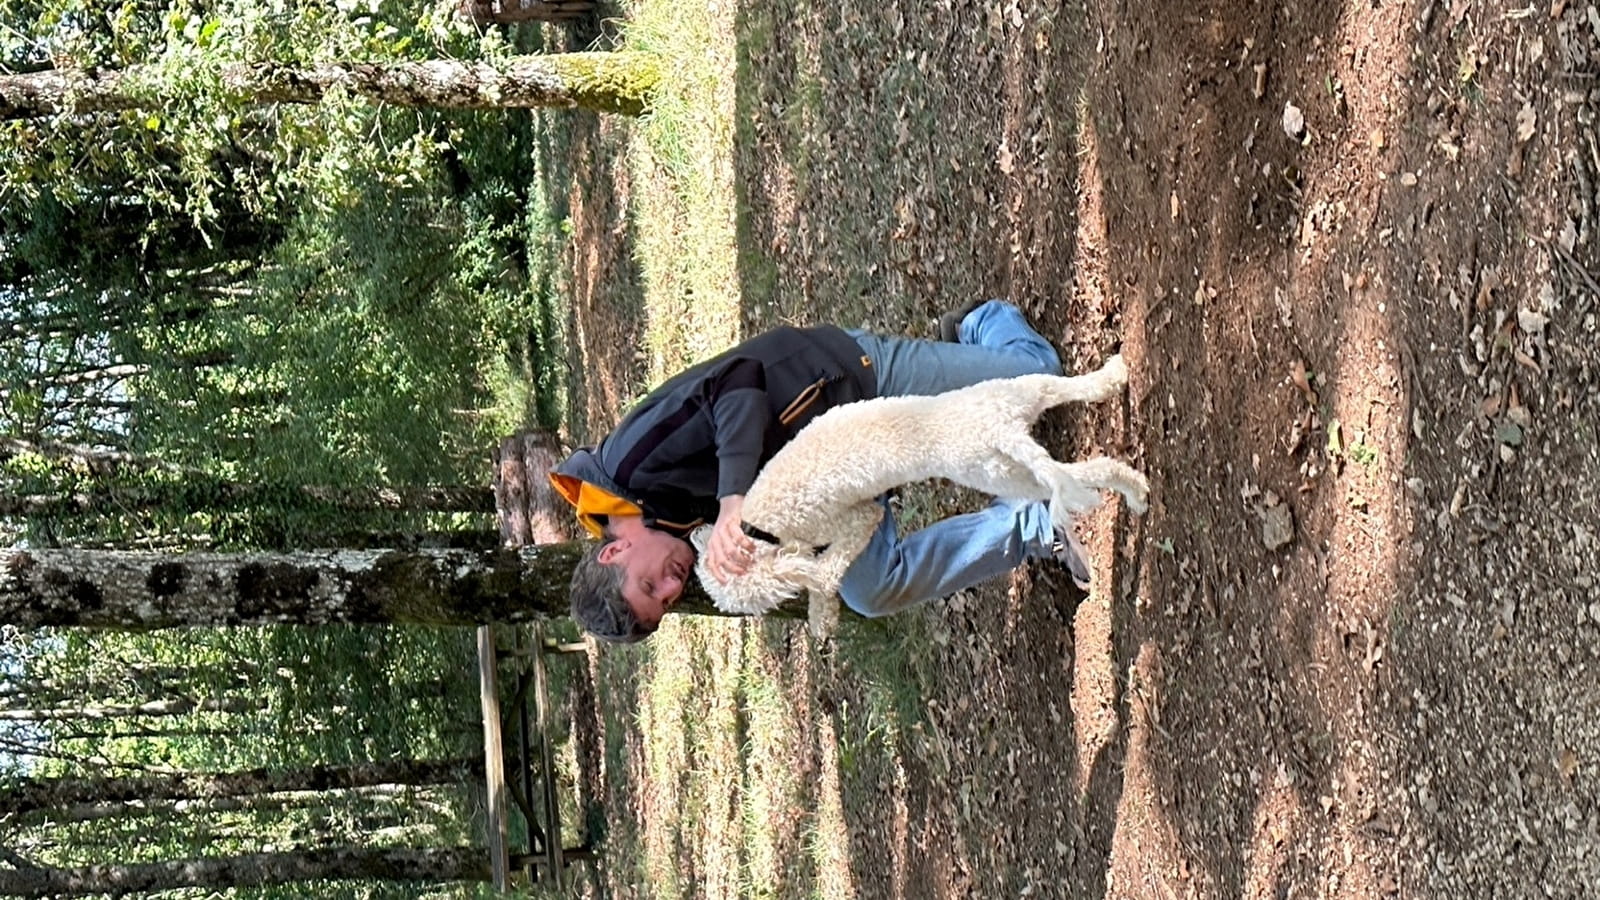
pixel 230 325
pixel 1347 249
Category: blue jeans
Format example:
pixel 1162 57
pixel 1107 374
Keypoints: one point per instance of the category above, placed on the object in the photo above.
pixel 896 572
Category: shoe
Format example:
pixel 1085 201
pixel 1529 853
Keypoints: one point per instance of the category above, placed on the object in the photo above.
pixel 1071 555
pixel 950 322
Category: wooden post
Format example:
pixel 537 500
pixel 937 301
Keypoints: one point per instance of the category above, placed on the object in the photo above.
pixel 547 769
pixel 493 761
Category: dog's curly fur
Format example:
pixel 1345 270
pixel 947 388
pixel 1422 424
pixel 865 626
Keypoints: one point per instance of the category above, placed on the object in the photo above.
pixel 822 487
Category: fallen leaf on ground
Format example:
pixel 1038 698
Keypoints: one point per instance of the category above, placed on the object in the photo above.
pixel 1294 121
pixel 1509 434
pixel 1568 764
pixel 1487 285
pixel 1277 525
pixel 1297 373
pixel 1525 122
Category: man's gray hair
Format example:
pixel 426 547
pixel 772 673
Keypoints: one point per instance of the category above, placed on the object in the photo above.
pixel 597 602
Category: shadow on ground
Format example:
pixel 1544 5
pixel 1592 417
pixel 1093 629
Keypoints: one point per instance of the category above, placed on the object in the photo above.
pixel 1237 712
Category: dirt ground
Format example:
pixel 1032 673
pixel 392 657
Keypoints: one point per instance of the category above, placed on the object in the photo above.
pixel 1349 252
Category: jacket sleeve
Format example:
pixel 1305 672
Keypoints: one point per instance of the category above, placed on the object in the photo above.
pixel 740 414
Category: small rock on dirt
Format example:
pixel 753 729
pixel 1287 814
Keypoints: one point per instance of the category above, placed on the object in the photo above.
pixel 1277 525
pixel 1294 121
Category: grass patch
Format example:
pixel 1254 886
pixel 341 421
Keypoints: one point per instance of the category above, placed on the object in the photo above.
pixel 681 157
pixel 733 781
pixel 890 659
pixel 1363 454
pixel 771 790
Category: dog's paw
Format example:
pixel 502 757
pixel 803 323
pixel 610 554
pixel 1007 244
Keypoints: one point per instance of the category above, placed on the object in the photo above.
pixel 823 615
pixel 1137 496
pixel 1116 370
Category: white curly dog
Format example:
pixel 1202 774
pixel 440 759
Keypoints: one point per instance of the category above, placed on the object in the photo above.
pixel 821 489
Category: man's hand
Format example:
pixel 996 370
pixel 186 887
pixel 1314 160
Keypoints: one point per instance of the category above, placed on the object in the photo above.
pixel 729 550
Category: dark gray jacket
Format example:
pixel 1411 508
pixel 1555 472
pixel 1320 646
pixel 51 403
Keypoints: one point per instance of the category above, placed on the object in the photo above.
pixel 705 433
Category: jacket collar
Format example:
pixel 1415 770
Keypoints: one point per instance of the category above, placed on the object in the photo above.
pixel 582 482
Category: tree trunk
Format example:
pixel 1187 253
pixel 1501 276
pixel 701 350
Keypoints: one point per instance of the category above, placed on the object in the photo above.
pixel 165 734
pixel 399 864
pixel 507 12
pixel 441 539
pixel 199 495
pixel 28 795
pixel 415 498
pixel 210 807
pixel 604 82
pixel 528 507
pixel 95 460
pixel 114 373
pixel 180 706
pixel 143 590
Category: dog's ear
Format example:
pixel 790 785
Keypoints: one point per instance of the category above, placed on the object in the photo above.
pixel 699 538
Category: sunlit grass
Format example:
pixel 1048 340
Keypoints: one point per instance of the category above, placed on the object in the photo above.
pixel 706 813
pixel 773 795
pixel 689 745
pixel 681 157
pixel 827 839
pixel 725 799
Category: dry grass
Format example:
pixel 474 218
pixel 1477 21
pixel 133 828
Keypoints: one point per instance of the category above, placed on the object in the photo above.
pixel 716 747
pixel 682 160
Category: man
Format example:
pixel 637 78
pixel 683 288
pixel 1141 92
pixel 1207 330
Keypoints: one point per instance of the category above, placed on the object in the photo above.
pixel 689 450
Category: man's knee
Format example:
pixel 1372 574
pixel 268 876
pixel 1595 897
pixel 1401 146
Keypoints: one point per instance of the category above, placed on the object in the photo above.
pixel 877 603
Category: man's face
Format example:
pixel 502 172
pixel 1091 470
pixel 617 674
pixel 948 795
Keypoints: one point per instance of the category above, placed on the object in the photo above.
pixel 655 566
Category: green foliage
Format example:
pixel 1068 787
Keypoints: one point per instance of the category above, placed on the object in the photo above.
pixel 81 31
pixel 208 147
pixel 299 697
pixel 340 295
pixel 386 333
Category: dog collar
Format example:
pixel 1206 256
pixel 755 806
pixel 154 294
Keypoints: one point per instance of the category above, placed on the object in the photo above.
pixel 767 537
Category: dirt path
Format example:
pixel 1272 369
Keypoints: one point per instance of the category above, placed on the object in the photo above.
pixel 1392 702
pixel 1366 339
pixel 1351 651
